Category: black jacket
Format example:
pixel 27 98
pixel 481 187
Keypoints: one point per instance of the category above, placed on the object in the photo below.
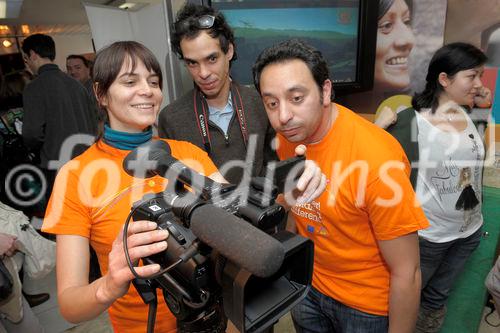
pixel 405 130
pixel 56 106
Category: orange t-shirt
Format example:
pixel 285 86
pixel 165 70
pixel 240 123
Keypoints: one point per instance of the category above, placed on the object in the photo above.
pixel 348 219
pixel 92 198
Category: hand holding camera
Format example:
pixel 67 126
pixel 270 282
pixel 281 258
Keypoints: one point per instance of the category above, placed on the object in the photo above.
pixel 144 239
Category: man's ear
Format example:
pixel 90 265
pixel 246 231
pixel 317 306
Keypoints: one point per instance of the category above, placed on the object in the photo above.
pixel 230 52
pixel 33 55
pixel 443 79
pixel 327 92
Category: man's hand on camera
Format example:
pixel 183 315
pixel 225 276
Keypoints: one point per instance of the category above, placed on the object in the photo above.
pixel 143 240
pixel 310 184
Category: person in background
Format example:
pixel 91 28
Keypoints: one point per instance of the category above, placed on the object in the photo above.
pixel 366 274
pixel 128 83
pixel 447 161
pixel 55 106
pixel 218 115
pixel 78 67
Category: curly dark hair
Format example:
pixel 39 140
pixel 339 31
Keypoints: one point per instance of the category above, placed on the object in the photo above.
pixel 186 26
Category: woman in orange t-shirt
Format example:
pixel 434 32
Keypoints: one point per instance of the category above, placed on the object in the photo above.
pixel 93 195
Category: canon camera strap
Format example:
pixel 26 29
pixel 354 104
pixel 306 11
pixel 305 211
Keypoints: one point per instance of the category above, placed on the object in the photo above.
pixel 201 113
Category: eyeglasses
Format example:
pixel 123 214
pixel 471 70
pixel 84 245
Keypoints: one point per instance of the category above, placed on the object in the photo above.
pixel 202 22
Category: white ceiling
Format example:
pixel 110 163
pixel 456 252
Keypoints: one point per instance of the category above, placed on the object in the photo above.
pixel 63 17
pixel 52 12
pixel 48 12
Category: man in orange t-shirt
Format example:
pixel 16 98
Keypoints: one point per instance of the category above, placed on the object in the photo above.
pixel 92 198
pixel 366 267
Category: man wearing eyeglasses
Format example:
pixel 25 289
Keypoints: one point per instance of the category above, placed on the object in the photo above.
pixel 225 119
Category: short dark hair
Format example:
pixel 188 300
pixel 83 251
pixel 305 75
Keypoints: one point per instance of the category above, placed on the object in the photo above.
pixel 82 58
pixel 293 49
pixel 42 45
pixel 185 26
pixel 449 59
pixel 107 66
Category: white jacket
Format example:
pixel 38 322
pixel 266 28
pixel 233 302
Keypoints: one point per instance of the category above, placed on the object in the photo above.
pixel 40 253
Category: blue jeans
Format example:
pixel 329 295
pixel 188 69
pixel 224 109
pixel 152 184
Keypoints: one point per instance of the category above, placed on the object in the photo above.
pixel 441 263
pixel 318 313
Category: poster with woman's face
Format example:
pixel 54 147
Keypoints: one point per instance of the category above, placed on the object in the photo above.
pixel 407 37
pixel 395 42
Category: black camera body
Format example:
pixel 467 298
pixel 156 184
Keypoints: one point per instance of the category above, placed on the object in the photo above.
pixel 208 281
pixel 189 277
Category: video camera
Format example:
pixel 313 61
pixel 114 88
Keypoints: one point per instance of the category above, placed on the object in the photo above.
pixel 224 250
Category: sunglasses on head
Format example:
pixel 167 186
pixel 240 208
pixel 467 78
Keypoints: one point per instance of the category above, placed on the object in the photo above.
pixel 202 22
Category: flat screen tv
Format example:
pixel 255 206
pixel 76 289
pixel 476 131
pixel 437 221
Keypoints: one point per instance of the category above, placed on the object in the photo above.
pixel 343 30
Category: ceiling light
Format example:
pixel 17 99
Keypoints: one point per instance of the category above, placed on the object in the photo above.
pixel 127 5
pixel 132 5
pixel 7 43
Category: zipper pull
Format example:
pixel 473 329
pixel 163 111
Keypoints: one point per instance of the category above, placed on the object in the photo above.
pixel 227 140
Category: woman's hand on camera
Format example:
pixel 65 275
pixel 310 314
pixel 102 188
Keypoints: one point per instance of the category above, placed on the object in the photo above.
pixel 143 239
